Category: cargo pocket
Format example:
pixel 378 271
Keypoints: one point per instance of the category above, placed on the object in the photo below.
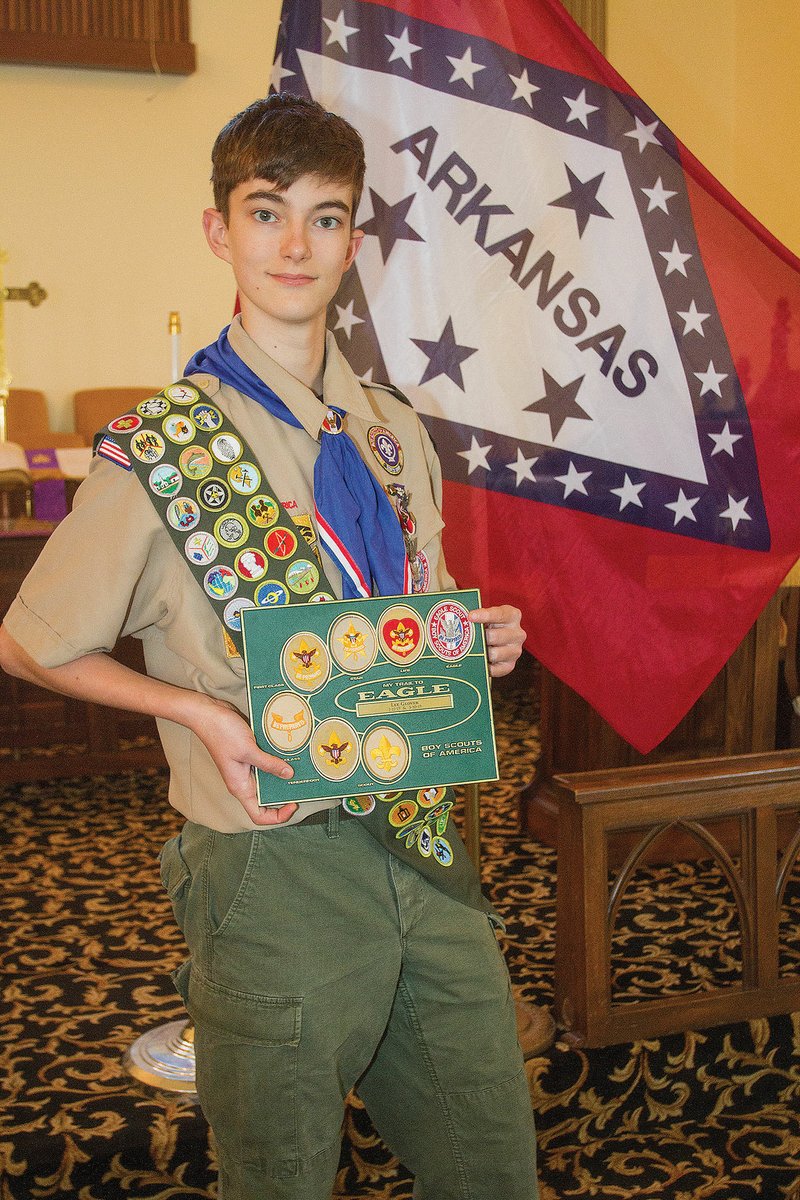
pixel 175 878
pixel 247 1048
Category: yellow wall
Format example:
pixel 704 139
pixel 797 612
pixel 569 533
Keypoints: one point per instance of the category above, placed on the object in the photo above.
pixel 723 74
pixel 104 177
pixel 105 174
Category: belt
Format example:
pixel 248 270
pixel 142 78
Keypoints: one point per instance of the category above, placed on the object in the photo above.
pixel 322 815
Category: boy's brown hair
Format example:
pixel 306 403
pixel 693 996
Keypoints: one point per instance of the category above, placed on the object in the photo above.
pixel 281 138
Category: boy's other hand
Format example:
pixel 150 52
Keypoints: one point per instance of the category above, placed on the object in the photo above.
pixel 230 742
pixel 504 636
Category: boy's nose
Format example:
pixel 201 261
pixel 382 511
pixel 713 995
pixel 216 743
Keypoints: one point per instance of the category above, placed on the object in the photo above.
pixel 295 245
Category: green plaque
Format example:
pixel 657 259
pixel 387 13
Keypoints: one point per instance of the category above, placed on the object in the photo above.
pixel 370 696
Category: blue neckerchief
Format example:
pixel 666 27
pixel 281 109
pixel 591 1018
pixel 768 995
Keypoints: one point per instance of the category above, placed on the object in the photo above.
pixel 355 517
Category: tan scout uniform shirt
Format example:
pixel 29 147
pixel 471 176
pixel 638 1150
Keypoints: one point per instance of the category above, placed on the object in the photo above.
pixel 111 568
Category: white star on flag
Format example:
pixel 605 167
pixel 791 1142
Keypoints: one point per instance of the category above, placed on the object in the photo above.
pixel 278 73
pixel 347 319
pixel 476 456
pixel 403 47
pixel 573 480
pixel 644 134
pixel 522 467
pixel 675 259
pixel 682 507
pixel 735 512
pixel 579 109
pixel 657 196
pixel 693 320
pixel 628 493
pixel 464 68
pixel 710 379
pixel 339 30
pixel 523 89
pixel 723 441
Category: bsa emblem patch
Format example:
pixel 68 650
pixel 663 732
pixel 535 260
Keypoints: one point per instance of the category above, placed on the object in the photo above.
pixel 201 548
pixel 127 424
pixel 280 542
pixel 332 422
pixel 386 449
pixel 165 480
pixel 156 406
pixel 232 613
pixel 334 749
pixel 450 631
pixel 302 576
pixel 271 592
pixel 231 530
pixel 359 806
pixel 183 513
pixel 262 511
pixel 386 753
pixel 305 663
pixel 148 446
pixel 244 478
pixel 251 564
pixel 354 643
pixel 400 634
pixel 226 447
pixel 178 428
pixel 214 494
pixel 181 393
pixel 220 583
pixel 287 722
pixel 205 416
pixel 195 462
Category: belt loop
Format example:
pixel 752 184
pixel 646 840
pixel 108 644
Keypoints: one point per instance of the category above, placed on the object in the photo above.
pixel 333 821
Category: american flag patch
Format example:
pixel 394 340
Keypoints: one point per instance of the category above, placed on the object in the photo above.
pixel 111 450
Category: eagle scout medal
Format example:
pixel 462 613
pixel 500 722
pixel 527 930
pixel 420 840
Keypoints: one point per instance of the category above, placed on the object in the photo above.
pixel 386 449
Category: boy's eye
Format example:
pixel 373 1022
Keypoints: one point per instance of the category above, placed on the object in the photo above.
pixel 329 222
pixel 263 214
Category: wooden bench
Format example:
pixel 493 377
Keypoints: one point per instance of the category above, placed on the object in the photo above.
pixel 755 797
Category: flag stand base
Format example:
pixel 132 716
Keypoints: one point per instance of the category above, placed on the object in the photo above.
pixel 163 1058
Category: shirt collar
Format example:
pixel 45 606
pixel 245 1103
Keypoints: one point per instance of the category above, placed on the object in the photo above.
pixel 340 385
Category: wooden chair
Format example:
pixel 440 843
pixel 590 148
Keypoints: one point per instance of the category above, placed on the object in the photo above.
pixel 95 407
pixel 28 423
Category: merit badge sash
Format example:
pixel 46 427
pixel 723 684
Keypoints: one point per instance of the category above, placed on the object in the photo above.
pixel 245 551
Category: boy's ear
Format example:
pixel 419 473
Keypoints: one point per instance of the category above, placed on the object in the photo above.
pixel 216 232
pixel 356 238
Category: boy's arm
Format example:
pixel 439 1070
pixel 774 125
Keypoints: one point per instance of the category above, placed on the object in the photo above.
pixel 100 679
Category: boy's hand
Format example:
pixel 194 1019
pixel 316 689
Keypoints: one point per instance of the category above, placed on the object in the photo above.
pixel 504 636
pixel 230 742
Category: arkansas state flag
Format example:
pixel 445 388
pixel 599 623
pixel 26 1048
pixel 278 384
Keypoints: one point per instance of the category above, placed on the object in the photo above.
pixel 595 333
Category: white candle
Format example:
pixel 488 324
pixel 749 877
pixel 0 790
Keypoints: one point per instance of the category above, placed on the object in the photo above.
pixel 175 344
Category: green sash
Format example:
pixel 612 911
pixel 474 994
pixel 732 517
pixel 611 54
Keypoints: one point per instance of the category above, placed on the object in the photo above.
pixel 244 550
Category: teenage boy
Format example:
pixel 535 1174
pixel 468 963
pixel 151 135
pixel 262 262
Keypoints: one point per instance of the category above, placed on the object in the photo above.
pixel 319 960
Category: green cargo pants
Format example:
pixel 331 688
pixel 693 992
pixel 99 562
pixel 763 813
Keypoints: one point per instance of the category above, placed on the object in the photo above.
pixel 320 963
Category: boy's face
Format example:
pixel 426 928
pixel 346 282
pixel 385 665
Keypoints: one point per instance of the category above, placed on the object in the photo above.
pixel 288 249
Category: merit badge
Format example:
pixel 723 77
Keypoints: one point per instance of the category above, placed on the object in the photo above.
pixel 271 592
pixel 334 748
pixel 388 797
pixel 287 722
pixel 244 478
pixel 201 548
pixel 425 843
pixel 400 634
pixel 181 393
pixel 353 642
pixel 385 752
pixel 442 851
pixel 332 422
pixel 302 576
pixel 220 583
pixel 148 446
pixel 430 796
pixel 226 447
pixel 156 406
pixel 307 531
pixel 214 494
pixel 165 480
pixel 262 511
pixel 195 462
pixel 305 663
pixel 178 428
pixel 402 813
pixel 127 424
pixel 205 416
pixel 183 513
pixel 231 530
pixel 280 542
pixel 450 631
pixel 386 448
pixel 232 613
pixel 420 572
pixel 359 806
pixel 251 564
pixel 320 598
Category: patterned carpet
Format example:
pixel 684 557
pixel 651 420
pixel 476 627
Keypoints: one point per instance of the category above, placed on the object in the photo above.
pixel 88 942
